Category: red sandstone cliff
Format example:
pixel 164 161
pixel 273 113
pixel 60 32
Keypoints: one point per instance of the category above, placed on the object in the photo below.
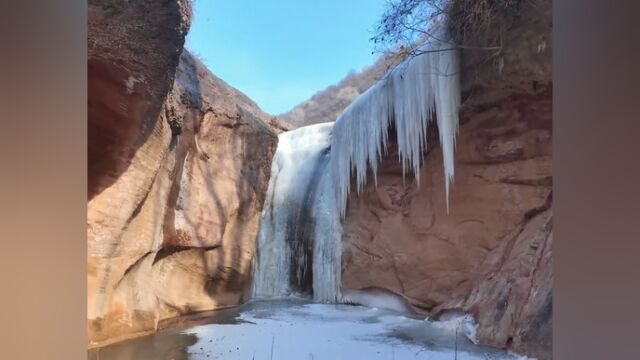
pixel 491 254
pixel 179 164
pixel 178 169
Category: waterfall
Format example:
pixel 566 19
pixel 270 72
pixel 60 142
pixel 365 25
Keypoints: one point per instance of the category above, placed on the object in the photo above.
pixel 299 239
pixel 299 243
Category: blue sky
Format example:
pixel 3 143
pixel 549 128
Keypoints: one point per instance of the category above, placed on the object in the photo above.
pixel 280 52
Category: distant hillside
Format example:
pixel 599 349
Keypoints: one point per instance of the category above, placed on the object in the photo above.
pixel 327 104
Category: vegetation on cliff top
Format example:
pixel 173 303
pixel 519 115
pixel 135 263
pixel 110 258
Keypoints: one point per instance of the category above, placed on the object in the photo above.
pixel 480 25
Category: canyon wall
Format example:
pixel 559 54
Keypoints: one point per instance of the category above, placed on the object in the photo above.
pixel 491 253
pixel 179 165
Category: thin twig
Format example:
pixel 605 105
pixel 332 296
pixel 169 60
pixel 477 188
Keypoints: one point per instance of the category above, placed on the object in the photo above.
pixel 456 344
pixel 273 339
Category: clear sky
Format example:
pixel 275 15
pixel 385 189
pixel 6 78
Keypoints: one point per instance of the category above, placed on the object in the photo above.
pixel 280 52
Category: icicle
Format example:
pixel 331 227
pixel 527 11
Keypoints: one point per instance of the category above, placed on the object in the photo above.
pixel 306 200
pixel 409 96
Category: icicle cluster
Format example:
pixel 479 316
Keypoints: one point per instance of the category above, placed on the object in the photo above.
pixel 409 95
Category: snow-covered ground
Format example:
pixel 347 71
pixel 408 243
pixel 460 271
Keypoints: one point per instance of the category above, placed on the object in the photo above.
pixel 289 330
pixel 300 330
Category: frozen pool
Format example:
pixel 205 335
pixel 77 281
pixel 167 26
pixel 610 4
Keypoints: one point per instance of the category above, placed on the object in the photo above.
pixel 295 329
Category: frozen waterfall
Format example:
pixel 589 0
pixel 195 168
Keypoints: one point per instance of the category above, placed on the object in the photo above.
pixel 299 244
pixel 299 239
pixel 407 98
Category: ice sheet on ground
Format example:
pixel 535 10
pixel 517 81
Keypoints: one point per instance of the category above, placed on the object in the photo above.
pixel 327 331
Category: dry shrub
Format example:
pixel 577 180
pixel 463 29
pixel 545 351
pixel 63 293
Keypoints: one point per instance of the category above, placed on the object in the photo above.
pixel 471 23
pixel 482 23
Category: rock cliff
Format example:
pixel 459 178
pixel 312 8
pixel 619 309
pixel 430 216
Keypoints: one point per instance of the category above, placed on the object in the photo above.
pixel 179 164
pixel 491 254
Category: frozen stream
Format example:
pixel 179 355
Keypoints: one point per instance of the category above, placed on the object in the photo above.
pixel 296 329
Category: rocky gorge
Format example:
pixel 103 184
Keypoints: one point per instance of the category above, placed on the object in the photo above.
pixel 179 166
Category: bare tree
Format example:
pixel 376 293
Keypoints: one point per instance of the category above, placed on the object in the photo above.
pixel 476 24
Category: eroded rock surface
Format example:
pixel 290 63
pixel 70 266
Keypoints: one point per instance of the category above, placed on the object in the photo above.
pixel 133 51
pixel 399 235
pixel 178 169
pixel 179 164
pixel 491 254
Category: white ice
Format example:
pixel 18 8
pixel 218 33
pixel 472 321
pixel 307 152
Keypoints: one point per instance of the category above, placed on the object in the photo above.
pixel 407 97
pixel 312 168
pixel 300 162
pixel 332 332
pixel 458 321
pixel 376 299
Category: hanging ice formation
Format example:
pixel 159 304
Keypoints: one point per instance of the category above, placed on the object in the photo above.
pixel 299 244
pixel 408 97
pixel 299 239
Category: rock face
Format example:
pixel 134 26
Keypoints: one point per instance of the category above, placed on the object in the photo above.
pixel 399 236
pixel 512 298
pixel 179 164
pixel 491 254
pixel 133 51
pixel 178 169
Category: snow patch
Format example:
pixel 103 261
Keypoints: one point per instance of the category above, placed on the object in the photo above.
pixel 457 322
pixel 377 299
pixel 130 83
